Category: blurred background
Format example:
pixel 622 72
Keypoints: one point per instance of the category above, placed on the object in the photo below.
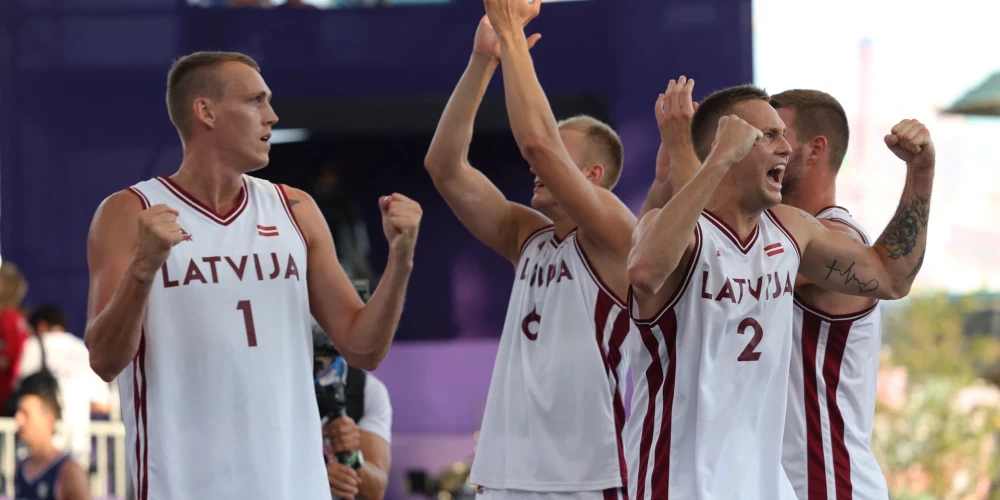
pixel 359 85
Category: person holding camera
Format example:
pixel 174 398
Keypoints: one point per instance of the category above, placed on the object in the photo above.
pixel 357 424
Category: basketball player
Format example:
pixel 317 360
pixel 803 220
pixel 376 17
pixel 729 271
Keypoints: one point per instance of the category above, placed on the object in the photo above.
pixel 202 285
pixel 838 337
pixel 714 308
pixel 554 413
pixel 47 473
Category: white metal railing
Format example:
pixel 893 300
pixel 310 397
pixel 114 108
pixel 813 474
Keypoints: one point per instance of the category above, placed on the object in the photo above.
pixel 104 431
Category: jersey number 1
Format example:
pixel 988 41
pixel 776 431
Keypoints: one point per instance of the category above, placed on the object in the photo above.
pixel 748 353
pixel 244 305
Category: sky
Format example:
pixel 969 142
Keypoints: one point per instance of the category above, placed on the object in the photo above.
pixel 886 61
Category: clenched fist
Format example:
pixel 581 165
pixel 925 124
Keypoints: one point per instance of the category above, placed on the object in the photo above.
pixel 158 233
pixel 734 139
pixel 487 43
pixel 344 435
pixel 400 222
pixel 508 16
pixel 911 142
pixel 344 481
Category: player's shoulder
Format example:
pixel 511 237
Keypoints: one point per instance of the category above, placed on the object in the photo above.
pixel 72 477
pixel 795 220
pixel 838 218
pixel 118 212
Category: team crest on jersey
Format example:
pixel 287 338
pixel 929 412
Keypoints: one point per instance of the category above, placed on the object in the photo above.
pixel 42 491
pixel 185 236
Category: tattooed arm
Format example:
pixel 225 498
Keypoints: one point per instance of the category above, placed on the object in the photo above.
pixel 837 262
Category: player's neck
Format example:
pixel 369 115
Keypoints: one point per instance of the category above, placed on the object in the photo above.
pixel 741 219
pixel 814 192
pixel 563 225
pixel 208 180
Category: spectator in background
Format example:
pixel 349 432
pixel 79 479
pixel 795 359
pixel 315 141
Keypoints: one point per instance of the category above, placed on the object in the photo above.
pixel 13 330
pixel 47 473
pixel 365 431
pixel 82 391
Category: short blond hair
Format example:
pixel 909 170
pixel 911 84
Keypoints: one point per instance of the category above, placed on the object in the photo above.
pixel 605 144
pixel 194 76
pixel 13 286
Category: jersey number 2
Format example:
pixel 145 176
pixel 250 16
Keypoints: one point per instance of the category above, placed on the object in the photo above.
pixel 244 305
pixel 748 353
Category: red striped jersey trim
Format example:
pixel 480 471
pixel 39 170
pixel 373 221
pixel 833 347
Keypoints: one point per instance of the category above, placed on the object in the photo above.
pixel 201 208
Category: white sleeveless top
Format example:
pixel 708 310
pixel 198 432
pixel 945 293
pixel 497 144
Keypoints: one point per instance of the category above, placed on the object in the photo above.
pixel 711 371
pixel 219 400
pixel 554 413
pixel 831 398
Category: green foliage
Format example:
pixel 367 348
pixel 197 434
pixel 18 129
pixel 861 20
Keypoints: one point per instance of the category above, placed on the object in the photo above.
pixel 925 335
pixel 947 425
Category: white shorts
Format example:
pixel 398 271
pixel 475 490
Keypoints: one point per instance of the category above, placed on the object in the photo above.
pixel 608 494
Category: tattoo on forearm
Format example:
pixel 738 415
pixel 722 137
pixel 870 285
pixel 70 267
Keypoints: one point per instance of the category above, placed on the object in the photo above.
pixel 900 236
pixel 852 279
pixel 916 268
pixel 292 203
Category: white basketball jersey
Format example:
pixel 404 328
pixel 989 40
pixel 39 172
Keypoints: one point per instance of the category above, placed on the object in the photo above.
pixel 711 371
pixel 554 412
pixel 219 400
pixel 831 399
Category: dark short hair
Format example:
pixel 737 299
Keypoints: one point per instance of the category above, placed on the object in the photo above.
pixel 719 104
pixel 44 386
pixel 817 114
pixel 49 313
pixel 194 76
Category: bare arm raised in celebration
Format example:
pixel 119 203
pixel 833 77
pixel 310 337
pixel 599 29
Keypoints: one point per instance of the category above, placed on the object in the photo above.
pixel 605 223
pixel 486 213
pixel 665 236
pixel 838 262
pixel 676 161
pixel 361 331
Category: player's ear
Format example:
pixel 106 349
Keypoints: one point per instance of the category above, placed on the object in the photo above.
pixel 817 148
pixel 203 112
pixel 594 173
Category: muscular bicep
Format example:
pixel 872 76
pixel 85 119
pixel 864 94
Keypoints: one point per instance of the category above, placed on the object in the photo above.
pixel 839 262
pixel 486 213
pixel 801 279
pixel 110 246
pixel 333 300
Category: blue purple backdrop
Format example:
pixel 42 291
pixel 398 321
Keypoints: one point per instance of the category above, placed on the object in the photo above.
pixel 82 115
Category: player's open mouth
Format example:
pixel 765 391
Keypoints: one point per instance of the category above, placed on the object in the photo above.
pixel 266 138
pixel 538 185
pixel 775 175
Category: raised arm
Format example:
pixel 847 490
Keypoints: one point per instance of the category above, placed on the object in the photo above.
pixel 886 270
pixel 362 332
pixel 124 257
pixel 602 218
pixel 676 161
pixel 664 236
pixel 481 207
